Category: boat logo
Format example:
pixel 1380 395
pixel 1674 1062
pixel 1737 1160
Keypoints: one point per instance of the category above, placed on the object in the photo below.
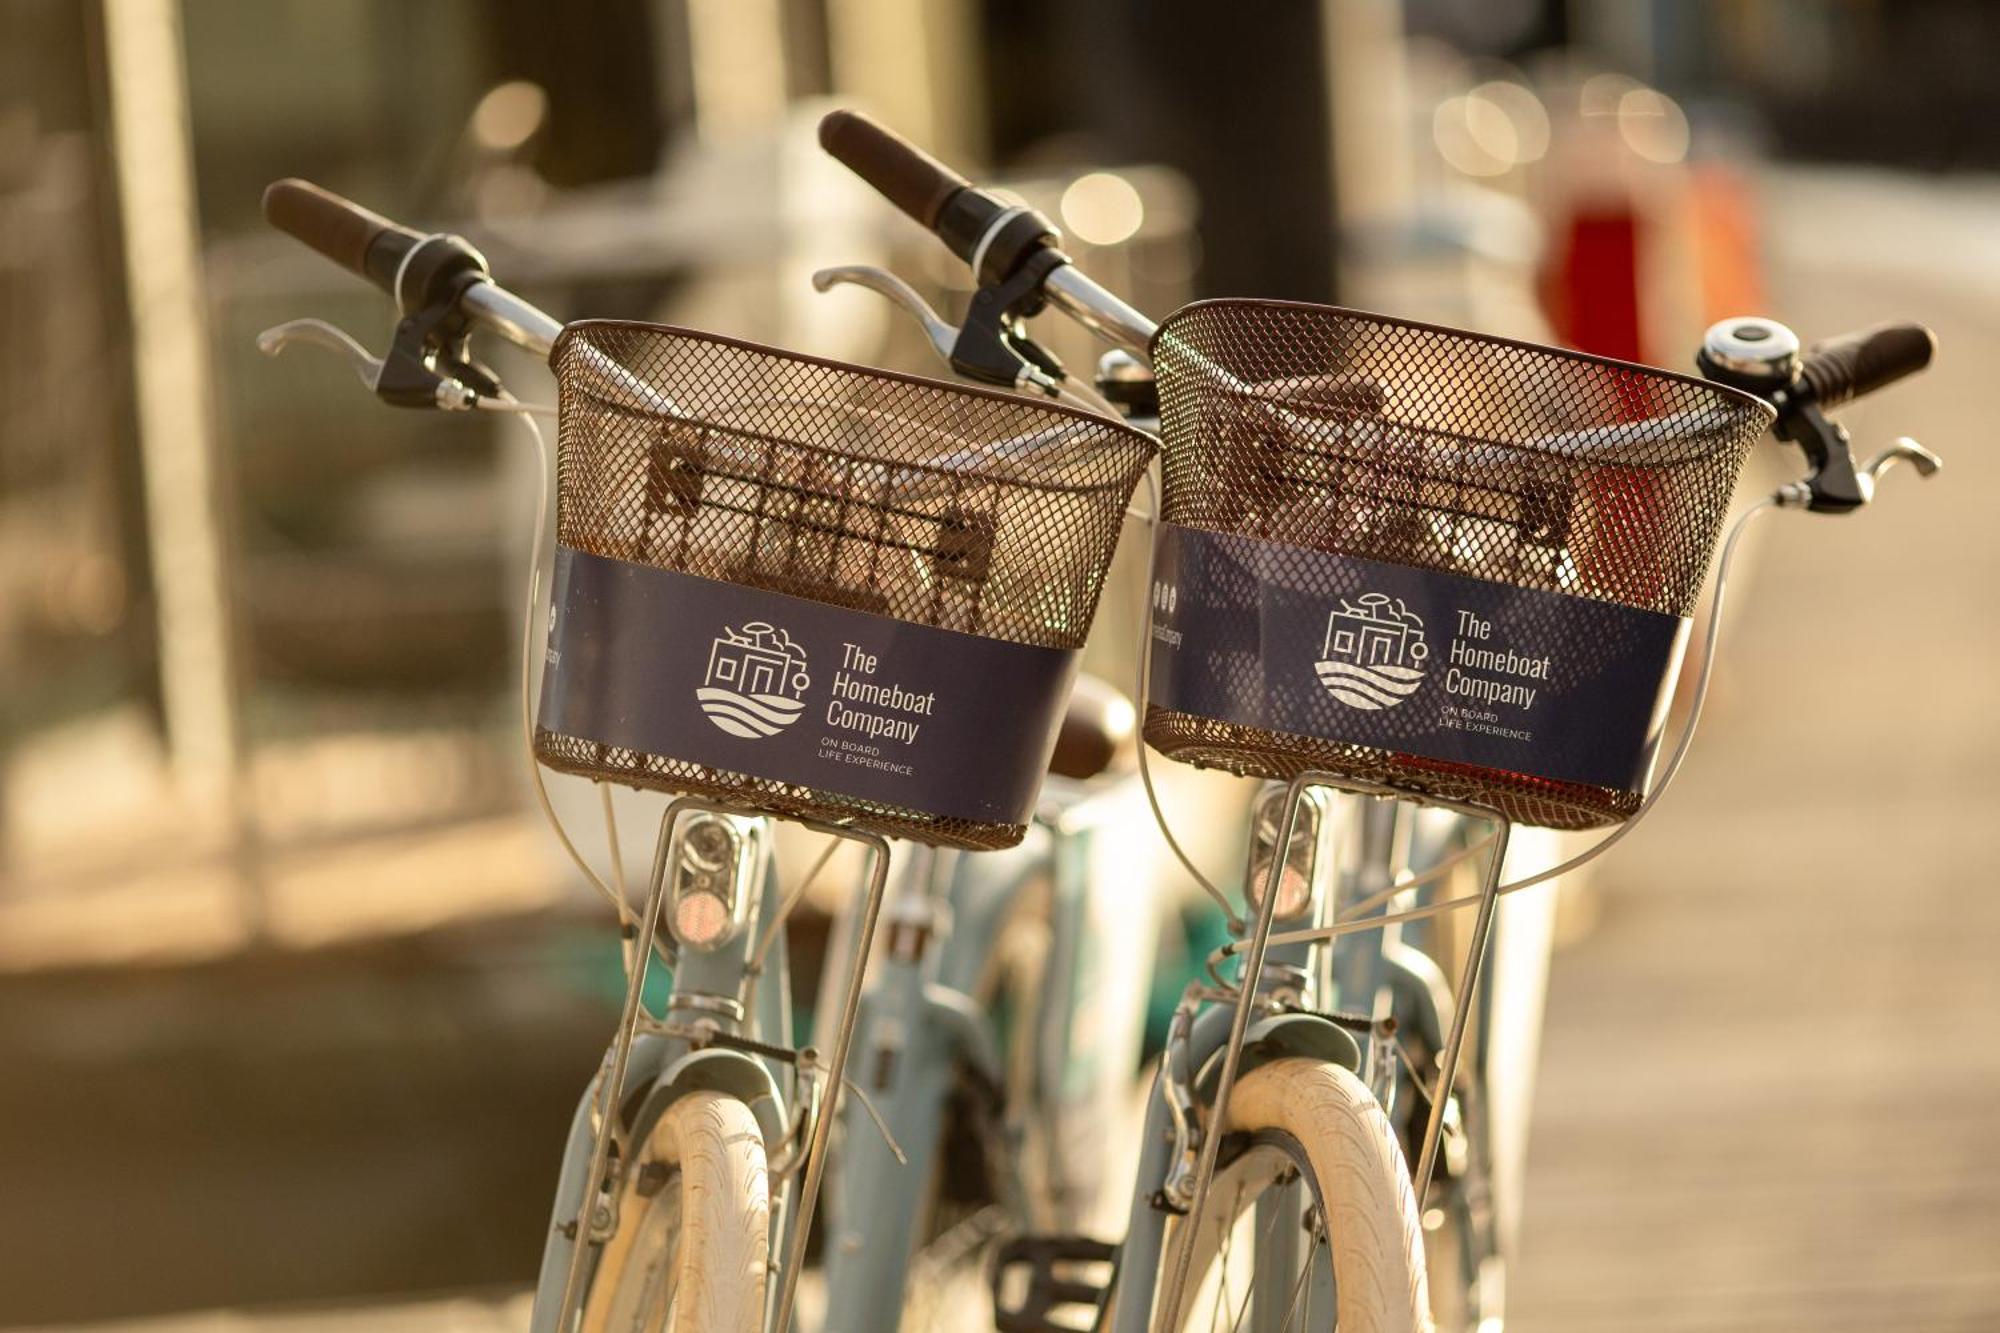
pixel 1374 652
pixel 756 681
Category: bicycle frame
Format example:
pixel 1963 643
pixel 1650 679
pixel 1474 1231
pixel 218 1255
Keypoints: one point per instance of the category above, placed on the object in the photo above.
pixel 1057 1075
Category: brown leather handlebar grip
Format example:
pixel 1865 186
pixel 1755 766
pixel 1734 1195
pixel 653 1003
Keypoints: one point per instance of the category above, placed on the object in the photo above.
pixel 906 175
pixel 1860 363
pixel 350 235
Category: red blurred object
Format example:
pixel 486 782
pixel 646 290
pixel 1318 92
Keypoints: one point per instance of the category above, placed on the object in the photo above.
pixel 1594 300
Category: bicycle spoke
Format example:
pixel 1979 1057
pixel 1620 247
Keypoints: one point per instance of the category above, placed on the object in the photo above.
pixel 1270 1228
pixel 1228 1243
pixel 1299 1288
pixel 1236 1324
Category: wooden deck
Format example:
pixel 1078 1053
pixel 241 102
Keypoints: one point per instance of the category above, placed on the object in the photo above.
pixel 1770 1091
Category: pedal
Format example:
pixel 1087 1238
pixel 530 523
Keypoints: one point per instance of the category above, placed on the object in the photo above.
pixel 1036 1277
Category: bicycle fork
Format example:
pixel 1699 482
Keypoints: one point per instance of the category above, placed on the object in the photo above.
pixel 1171 1115
pixel 705 1015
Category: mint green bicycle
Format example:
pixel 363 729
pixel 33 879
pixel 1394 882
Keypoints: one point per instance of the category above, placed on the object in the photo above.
pixel 1424 585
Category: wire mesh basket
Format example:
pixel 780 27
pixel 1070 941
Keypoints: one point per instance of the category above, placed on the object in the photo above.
pixel 886 497
pixel 1326 448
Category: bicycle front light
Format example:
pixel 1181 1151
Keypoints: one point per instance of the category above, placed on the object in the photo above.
pixel 711 860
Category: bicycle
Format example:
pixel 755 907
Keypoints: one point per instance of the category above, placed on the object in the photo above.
pixel 871 544
pixel 1292 434
pixel 1372 1067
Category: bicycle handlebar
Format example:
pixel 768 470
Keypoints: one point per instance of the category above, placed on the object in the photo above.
pixel 358 239
pixel 979 227
pixel 967 219
pixel 371 246
pixel 902 173
pixel 1761 357
pixel 1860 363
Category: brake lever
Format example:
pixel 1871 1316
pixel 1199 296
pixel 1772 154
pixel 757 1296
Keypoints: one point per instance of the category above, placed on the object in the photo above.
pixel 418 384
pixel 1903 449
pixel 983 350
pixel 942 334
pixel 318 333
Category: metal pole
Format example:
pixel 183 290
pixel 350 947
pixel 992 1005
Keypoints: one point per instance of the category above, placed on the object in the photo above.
pixel 823 1125
pixel 1468 990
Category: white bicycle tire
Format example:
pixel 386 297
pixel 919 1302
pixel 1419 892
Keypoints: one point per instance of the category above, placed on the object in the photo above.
pixel 1333 1128
pixel 692 1256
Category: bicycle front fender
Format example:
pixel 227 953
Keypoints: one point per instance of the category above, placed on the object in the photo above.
pixel 741 1076
pixel 1278 1037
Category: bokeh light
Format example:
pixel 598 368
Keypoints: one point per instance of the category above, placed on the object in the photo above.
pixel 509 115
pixel 1102 208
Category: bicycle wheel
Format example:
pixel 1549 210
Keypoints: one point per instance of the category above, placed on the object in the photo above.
pixel 1311 1208
pixel 692 1250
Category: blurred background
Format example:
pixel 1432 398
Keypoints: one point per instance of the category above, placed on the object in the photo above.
pixel 295 994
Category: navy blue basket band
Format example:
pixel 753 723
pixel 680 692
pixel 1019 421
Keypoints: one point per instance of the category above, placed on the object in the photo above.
pixel 1415 661
pixel 747 681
